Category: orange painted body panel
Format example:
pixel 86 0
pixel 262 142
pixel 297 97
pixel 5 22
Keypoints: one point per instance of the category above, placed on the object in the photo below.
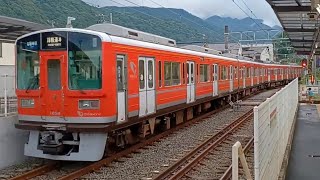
pixel 64 102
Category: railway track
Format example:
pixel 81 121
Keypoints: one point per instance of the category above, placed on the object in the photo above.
pixel 40 172
pixel 49 167
pixel 207 152
pixel 248 151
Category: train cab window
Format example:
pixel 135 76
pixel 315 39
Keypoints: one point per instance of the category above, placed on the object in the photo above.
pixel 248 72
pixel 160 73
pixel 204 73
pixel 28 62
pixel 171 73
pixel 84 51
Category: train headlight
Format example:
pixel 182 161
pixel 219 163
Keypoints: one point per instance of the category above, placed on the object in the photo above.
pixel 89 104
pixel 27 103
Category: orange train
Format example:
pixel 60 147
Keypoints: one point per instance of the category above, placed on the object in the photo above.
pixel 79 88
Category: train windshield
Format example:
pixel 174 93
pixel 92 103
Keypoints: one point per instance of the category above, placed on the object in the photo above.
pixel 28 62
pixel 84 59
pixel 84 51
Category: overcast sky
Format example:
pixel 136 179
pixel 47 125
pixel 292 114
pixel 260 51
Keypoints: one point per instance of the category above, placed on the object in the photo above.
pixel 207 8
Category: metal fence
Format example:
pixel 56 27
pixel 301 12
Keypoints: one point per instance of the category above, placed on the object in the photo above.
pixel 8 99
pixel 273 120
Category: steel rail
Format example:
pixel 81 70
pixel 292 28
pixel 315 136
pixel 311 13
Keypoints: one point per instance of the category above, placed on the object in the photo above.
pixel 185 164
pixel 104 162
pixel 228 173
pixel 38 171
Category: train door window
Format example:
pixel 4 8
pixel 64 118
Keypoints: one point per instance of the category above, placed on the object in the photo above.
pixel 188 73
pixel 54 75
pixel 150 74
pixel 141 72
pixel 120 73
pixel 160 73
pixel 192 69
pixel 235 72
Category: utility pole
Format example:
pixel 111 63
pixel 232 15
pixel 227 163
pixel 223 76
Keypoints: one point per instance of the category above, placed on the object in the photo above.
pixel 110 18
pixel 226 39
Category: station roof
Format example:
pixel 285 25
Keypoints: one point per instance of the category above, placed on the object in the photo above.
pixel 294 18
pixel 12 28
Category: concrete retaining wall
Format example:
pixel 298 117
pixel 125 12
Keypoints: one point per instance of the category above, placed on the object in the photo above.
pixel 11 142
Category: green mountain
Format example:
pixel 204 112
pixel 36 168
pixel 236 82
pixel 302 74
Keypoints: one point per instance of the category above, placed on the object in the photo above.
pixel 177 24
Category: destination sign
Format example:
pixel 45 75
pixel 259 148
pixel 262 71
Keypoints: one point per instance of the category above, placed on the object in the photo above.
pixel 54 40
pixel 30 43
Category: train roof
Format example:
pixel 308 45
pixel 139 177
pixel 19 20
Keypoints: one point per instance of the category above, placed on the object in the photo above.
pixel 126 41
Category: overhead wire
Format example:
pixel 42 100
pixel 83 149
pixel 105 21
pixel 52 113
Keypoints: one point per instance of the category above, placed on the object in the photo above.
pixel 249 15
pixel 190 20
pixel 146 13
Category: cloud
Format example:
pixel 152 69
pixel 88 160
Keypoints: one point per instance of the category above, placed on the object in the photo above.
pixel 206 8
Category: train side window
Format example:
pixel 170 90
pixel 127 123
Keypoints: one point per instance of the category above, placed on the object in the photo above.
pixel 204 73
pixel 221 68
pixel 183 74
pixel 175 73
pixel 235 72
pixel 141 72
pixel 172 73
pixel 167 73
pixel 198 80
pixel 160 73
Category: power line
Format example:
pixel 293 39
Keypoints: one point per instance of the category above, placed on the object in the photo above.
pixel 194 34
pixel 249 16
pixel 191 20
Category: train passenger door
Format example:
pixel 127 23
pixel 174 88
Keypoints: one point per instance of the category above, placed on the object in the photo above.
pixel 231 78
pixel 190 82
pixel 54 87
pixel 269 72
pixel 147 94
pixel 122 100
pixel 215 79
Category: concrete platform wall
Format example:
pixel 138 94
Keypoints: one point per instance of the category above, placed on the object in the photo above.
pixel 11 142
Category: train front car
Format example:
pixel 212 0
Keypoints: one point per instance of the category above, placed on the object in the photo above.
pixel 65 97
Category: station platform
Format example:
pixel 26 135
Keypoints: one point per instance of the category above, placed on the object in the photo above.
pixel 304 160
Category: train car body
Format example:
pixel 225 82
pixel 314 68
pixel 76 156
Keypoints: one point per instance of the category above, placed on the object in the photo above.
pixel 74 84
